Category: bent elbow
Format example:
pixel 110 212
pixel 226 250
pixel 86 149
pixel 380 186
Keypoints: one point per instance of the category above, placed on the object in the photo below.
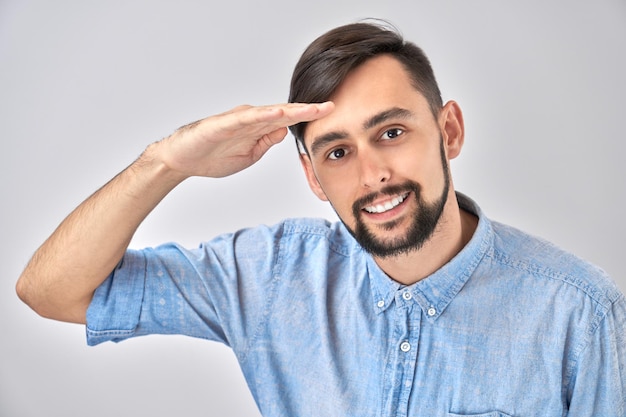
pixel 23 290
pixel 27 292
pixel 46 306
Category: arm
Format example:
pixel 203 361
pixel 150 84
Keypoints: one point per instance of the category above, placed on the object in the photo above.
pixel 62 275
pixel 598 384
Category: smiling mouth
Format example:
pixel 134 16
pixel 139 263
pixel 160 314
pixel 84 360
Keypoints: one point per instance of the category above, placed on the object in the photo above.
pixel 381 208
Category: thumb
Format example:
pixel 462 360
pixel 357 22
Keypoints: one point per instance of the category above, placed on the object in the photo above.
pixel 276 136
pixel 270 139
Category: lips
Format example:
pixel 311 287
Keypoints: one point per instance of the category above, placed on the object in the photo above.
pixel 390 204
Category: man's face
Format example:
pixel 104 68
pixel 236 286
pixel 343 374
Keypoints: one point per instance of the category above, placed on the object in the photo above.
pixel 380 159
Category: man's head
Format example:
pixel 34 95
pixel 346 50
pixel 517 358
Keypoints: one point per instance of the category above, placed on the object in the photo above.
pixel 381 156
pixel 331 57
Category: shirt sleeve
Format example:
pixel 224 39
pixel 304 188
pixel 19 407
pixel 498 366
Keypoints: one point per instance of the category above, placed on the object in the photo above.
pixel 206 292
pixel 598 386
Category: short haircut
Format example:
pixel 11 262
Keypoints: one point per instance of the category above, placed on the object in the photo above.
pixel 331 57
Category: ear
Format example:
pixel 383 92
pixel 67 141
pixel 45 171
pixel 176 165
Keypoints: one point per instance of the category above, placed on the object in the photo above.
pixel 311 178
pixel 452 128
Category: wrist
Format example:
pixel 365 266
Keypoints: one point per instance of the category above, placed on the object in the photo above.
pixel 151 162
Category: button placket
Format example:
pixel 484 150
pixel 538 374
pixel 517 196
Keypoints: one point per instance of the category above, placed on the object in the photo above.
pixel 399 375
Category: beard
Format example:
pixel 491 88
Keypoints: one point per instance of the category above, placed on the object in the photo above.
pixel 423 224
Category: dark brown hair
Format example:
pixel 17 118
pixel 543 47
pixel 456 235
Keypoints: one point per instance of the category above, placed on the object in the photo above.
pixel 330 58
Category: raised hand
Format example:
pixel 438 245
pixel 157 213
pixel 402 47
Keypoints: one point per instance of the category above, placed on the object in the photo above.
pixel 60 278
pixel 226 143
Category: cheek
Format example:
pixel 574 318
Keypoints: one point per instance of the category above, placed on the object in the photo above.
pixel 423 166
pixel 340 190
pixel 434 174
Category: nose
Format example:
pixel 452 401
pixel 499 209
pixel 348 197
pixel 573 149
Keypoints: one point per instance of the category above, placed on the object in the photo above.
pixel 373 168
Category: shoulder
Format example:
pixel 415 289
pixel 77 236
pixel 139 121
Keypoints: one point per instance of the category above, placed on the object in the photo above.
pixel 517 250
pixel 310 234
pixel 331 235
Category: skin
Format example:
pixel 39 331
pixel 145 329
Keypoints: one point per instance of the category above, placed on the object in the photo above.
pixel 60 279
pixel 384 134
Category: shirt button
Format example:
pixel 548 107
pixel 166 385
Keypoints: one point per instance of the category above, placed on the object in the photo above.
pixel 407 295
pixel 432 311
pixel 381 304
pixel 405 346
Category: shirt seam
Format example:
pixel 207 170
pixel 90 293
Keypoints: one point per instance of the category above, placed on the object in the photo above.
pixel 276 277
pixel 285 229
pixel 584 346
pixel 292 228
pixel 589 290
pixel 601 299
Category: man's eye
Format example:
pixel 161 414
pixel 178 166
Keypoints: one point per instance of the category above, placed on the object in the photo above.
pixel 392 133
pixel 337 154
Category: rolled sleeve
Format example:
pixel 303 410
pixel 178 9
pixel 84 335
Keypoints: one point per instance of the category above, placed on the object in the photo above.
pixel 115 318
pixel 206 292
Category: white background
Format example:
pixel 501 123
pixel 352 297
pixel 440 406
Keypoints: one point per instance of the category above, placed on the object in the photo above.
pixel 85 86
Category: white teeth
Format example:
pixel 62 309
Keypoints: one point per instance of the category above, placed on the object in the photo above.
pixel 381 208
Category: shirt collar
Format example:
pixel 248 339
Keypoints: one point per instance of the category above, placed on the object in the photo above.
pixel 435 292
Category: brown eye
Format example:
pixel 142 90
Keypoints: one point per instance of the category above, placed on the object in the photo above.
pixel 392 133
pixel 337 154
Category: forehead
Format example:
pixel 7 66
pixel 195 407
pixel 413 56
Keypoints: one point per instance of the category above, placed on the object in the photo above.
pixel 377 85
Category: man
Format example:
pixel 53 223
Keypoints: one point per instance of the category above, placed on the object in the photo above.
pixel 415 304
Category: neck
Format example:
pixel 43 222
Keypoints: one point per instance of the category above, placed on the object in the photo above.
pixel 455 229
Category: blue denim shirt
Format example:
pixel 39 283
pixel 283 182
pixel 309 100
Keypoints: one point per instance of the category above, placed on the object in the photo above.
pixel 512 326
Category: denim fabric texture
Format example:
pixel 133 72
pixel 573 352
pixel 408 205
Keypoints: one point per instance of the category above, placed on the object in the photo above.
pixel 512 326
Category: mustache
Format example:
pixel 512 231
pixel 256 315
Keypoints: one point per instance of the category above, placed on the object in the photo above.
pixel 408 186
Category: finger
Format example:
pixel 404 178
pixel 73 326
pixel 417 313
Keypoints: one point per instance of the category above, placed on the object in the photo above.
pixel 276 136
pixel 236 109
pixel 303 112
pixel 267 141
pixel 262 111
pixel 281 115
pixel 254 122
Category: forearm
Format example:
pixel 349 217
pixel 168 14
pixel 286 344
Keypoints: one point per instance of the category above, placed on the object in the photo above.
pixel 60 279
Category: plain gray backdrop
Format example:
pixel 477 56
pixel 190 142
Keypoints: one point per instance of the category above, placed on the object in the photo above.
pixel 85 86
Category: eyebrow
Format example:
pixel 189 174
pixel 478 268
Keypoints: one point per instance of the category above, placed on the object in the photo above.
pixel 377 119
pixel 392 113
